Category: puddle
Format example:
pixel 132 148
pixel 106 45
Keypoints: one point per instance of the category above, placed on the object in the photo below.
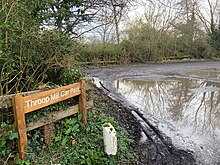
pixel 206 74
pixel 192 106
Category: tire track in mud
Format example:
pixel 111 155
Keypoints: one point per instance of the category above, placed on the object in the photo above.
pixel 165 152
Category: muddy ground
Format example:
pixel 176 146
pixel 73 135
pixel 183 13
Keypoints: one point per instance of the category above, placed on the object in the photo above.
pixel 157 147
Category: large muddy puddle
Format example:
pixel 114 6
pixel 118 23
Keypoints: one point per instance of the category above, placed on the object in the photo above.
pixel 178 100
pixel 191 105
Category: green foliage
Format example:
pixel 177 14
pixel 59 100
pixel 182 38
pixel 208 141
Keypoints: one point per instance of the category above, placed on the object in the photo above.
pixel 66 16
pixel 96 51
pixel 89 147
pixel 29 55
pixel 64 76
pixel 7 137
pixel 22 162
pixel 35 144
pixel 148 44
pixel 32 61
pixel 71 76
pixel 215 40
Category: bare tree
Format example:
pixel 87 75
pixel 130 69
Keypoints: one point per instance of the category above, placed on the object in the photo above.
pixel 209 16
pixel 111 16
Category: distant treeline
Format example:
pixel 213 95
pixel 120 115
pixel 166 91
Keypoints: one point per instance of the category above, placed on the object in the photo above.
pixel 146 44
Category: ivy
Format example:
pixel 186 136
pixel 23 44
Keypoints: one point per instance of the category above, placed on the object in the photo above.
pixel 78 144
pixel 7 139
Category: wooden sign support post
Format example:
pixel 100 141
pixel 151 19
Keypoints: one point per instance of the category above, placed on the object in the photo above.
pixel 19 116
pixel 23 105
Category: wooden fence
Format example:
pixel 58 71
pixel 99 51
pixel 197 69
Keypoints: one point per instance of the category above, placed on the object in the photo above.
pixel 27 102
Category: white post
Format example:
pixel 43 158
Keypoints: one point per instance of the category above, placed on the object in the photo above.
pixel 110 139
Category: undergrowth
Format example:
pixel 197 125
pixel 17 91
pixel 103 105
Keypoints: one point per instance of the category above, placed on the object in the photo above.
pixel 78 144
pixel 74 143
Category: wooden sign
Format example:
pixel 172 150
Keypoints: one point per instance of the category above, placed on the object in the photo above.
pixel 43 99
pixel 23 105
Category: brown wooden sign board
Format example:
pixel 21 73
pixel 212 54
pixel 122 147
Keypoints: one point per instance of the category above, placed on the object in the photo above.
pixel 23 105
pixel 43 99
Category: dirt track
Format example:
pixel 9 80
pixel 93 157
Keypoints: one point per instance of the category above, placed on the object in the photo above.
pixel 159 148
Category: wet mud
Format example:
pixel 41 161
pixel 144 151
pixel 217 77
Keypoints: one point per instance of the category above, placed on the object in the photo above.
pixel 175 105
pixel 153 146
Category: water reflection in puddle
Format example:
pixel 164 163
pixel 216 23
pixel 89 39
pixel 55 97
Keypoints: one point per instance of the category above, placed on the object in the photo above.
pixel 193 106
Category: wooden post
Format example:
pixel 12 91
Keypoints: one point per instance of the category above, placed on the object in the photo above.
pixel 19 116
pixel 82 102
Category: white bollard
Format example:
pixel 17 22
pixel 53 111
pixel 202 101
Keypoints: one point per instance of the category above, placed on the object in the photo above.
pixel 110 139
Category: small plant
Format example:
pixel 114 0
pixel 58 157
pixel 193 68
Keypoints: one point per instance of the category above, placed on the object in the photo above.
pixel 71 76
pixel 22 162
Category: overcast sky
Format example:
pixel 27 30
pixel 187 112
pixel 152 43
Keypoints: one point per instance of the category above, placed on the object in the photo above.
pixel 137 11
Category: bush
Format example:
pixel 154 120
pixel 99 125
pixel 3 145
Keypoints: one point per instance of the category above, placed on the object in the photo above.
pixel 34 57
pixel 63 76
